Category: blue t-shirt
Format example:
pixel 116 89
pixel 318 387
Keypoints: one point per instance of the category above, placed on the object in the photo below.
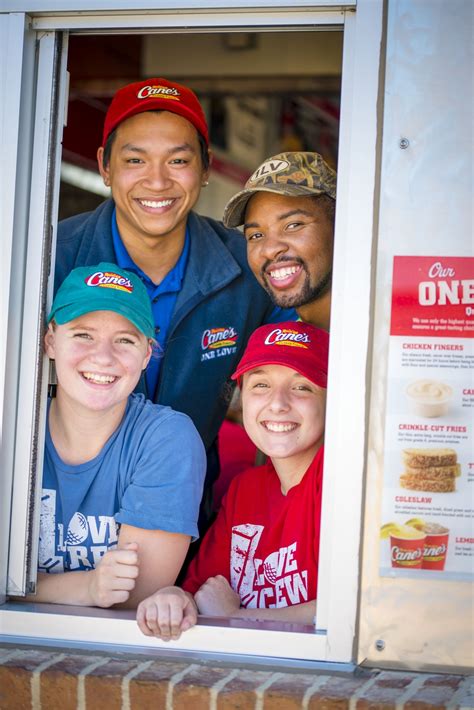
pixel 162 296
pixel 149 474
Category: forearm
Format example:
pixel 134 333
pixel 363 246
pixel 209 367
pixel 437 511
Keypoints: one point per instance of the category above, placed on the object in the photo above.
pixel 63 588
pixel 149 582
pixel 298 613
pixel 161 555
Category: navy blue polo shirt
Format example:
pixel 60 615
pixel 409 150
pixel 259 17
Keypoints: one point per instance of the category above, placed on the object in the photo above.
pixel 163 298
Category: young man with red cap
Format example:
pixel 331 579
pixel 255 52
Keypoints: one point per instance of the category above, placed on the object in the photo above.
pixel 259 560
pixel 155 158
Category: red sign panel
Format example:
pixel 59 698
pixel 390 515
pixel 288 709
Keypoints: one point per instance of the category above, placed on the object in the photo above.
pixel 433 296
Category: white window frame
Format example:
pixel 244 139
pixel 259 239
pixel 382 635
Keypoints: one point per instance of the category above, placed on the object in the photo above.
pixel 351 308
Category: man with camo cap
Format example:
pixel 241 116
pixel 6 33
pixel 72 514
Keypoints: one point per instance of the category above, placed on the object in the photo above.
pixel 287 210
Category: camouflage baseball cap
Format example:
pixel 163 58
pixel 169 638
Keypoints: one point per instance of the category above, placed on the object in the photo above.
pixel 291 174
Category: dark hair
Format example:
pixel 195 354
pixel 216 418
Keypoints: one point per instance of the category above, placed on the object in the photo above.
pixel 328 205
pixel 111 138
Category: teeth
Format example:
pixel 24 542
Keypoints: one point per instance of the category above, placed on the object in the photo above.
pixel 279 426
pixel 284 272
pixel 102 379
pixel 156 203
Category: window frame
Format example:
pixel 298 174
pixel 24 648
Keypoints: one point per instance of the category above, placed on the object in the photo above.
pixel 345 448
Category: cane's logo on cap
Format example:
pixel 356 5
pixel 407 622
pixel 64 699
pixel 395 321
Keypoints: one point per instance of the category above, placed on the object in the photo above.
pixel 269 168
pixel 109 279
pixel 284 336
pixel 160 92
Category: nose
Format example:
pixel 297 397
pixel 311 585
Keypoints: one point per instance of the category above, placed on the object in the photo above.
pixel 273 246
pixel 103 353
pixel 157 176
pixel 279 400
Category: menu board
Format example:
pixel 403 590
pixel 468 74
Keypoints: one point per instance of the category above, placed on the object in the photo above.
pixel 427 525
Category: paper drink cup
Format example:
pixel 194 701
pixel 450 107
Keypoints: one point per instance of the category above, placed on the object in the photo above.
pixel 436 547
pixel 407 547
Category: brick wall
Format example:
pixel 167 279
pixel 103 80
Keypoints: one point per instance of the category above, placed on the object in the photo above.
pixel 48 680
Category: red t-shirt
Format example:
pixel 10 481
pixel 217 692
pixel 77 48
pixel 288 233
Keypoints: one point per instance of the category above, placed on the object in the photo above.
pixel 266 544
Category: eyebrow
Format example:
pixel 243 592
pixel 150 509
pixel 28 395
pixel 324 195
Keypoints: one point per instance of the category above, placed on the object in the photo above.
pixel 261 371
pixel 131 331
pixel 175 149
pixel 254 372
pixel 81 327
pixel 285 215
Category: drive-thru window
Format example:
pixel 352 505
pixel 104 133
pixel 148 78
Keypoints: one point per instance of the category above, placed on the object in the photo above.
pixel 402 316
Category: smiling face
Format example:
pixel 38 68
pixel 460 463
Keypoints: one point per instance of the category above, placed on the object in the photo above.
pixel 283 413
pixel 289 247
pixel 155 174
pixel 99 358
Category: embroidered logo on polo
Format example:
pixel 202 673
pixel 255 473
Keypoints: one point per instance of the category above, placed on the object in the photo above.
pixel 218 342
pixel 287 336
pixel 159 92
pixel 109 279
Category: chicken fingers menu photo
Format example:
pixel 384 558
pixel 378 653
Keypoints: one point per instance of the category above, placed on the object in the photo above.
pixel 427 526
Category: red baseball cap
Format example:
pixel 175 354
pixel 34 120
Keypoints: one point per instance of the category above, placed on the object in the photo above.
pixel 155 95
pixel 295 344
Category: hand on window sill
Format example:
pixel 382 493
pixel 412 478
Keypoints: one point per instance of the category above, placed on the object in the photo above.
pixel 167 613
pixel 217 598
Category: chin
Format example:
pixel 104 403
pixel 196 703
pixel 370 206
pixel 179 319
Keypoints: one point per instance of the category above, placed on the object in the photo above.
pixel 277 452
pixel 286 301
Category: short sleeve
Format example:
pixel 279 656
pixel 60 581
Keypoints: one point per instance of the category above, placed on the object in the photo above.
pixel 164 488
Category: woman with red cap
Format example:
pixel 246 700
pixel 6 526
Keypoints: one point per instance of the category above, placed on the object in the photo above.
pixel 259 560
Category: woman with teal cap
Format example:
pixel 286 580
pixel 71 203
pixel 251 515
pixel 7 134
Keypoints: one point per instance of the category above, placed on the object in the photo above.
pixel 119 505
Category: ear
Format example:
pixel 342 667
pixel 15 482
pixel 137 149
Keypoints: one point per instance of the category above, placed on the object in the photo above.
pixel 104 171
pixel 148 355
pixel 49 342
pixel 206 173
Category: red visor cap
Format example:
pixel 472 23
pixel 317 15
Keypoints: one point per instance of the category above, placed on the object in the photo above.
pixel 294 344
pixel 155 95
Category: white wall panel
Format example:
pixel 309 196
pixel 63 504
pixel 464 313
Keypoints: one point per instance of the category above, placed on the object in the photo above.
pixel 425 209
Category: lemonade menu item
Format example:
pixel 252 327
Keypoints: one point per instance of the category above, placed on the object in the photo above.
pixel 406 547
pixel 436 546
pixel 417 544
pixel 431 469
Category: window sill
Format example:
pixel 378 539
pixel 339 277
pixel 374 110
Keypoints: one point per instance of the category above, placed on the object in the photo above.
pixel 58 625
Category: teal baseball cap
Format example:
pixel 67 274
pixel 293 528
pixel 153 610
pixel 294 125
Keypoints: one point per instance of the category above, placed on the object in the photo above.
pixel 104 287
